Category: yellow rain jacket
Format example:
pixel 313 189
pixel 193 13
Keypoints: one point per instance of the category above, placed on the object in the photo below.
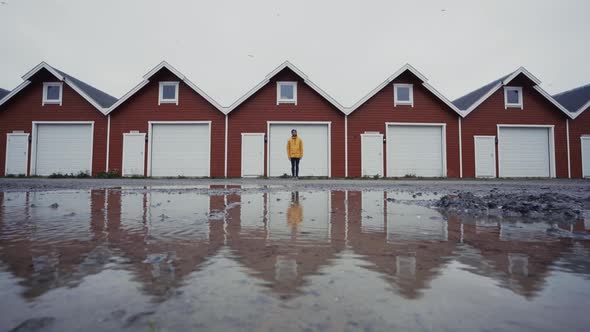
pixel 295 147
pixel 294 215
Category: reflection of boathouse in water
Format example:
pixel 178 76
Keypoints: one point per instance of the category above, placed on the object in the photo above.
pixel 280 238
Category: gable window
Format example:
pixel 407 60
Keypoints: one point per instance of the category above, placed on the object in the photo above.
pixel 403 94
pixel 168 93
pixel 52 92
pixel 287 93
pixel 512 97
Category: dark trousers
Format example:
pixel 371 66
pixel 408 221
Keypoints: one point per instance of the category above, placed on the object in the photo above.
pixel 295 166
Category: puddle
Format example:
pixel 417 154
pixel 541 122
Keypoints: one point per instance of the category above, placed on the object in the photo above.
pixel 136 259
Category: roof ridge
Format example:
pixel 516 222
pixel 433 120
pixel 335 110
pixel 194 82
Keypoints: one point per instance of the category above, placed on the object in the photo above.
pixel 572 90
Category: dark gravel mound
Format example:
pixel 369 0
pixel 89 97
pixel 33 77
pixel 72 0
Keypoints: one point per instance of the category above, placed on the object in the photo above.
pixel 554 206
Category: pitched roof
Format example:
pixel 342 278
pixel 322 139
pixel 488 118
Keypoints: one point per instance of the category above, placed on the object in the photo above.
pixel 463 103
pixel 469 102
pixel 97 98
pixel 296 70
pixel 403 69
pixel 101 97
pixel 146 80
pixel 575 100
pixel 3 93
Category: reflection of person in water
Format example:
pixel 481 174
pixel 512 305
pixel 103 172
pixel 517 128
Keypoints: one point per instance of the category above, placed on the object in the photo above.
pixel 295 212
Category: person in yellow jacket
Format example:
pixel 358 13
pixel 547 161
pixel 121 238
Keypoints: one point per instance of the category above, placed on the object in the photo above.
pixel 294 152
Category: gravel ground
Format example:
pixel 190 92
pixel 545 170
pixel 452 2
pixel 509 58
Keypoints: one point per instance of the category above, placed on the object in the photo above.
pixel 574 188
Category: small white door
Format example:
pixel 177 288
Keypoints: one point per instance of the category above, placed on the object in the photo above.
pixel 252 154
pixel 17 153
pixel 252 211
pixel 373 211
pixel 485 156
pixel 133 154
pixel 585 156
pixel 371 154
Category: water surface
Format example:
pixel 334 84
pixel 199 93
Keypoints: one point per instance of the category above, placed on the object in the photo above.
pixel 140 260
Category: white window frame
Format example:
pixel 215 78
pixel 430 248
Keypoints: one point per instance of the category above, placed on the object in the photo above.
pixel 161 99
pixel 46 101
pixel 403 102
pixel 513 105
pixel 287 101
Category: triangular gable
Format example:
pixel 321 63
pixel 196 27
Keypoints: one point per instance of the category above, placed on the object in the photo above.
pixel 299 73
pixel 146 80
pixel 469 102
pixel 97 98
pixel 415 72
pixel 576 100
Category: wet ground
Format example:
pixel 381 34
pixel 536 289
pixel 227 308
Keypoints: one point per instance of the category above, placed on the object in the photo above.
pixel 342 257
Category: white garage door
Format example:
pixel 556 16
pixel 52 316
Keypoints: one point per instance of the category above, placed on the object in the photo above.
pixel 316 149
pixel 524 152
pixel 415 150
pixel 63 148
pixel 180 149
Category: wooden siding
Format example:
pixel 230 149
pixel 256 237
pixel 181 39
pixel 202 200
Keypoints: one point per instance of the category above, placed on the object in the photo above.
pixel 252 116
pixel 373 114
pixel 142 107
pixel 537 110
pixel 25 107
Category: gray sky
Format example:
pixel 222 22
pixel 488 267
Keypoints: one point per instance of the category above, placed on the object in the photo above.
pixel 345 47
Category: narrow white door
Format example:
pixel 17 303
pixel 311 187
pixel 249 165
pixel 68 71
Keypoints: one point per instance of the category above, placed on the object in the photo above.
pixel 133 154
pixel 17 153
pixel 485 156
pixel 252 154
pixel 372 154
pixel 252 211
pixel 586 157
pixel 373 211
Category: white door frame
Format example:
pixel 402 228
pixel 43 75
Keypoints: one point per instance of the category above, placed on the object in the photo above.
pixel 582 139
pixel 34 140
pixel 417 124
pixel 26 152
pixel 150 128
pixel 143 135
pixel 363 135
pixel 475 137
pixel 551 145
pixel 328 123
pixel 242 148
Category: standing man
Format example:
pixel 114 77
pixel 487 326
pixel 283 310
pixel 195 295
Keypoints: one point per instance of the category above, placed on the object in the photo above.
pixel 294 152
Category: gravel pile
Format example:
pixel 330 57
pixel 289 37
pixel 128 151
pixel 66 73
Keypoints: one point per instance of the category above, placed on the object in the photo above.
pixel 553 206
